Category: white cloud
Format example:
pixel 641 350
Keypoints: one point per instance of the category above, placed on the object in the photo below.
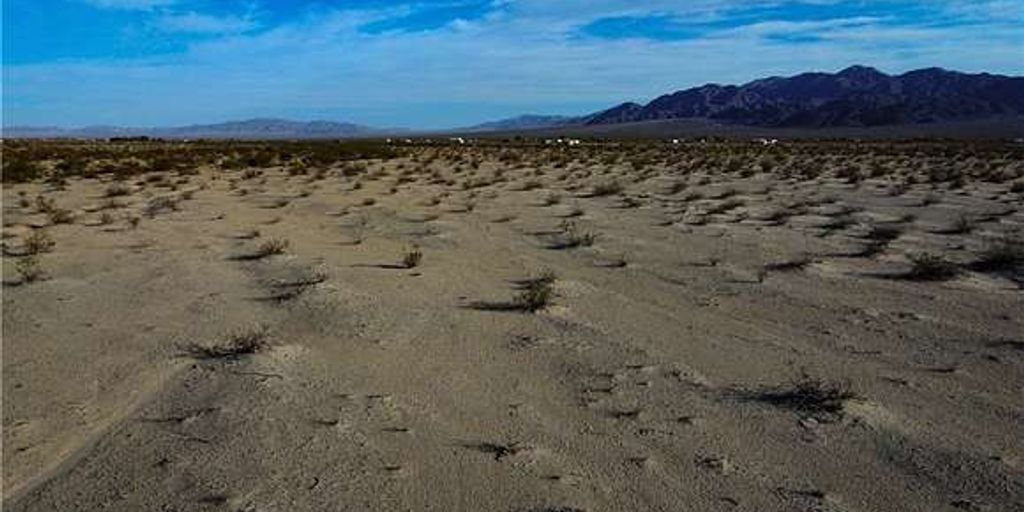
pixel 134 5
pixel 975 10
pixel 205 24
pixel 524 59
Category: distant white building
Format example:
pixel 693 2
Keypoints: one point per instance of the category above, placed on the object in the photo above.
pixel 568 142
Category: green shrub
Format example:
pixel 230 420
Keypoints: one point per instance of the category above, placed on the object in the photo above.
pixel 17 170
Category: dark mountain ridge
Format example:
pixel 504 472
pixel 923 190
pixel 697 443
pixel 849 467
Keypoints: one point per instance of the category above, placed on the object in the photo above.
pixel 856 96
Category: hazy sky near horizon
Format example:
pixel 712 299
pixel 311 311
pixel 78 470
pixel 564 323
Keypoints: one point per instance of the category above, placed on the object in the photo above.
pixel 444 63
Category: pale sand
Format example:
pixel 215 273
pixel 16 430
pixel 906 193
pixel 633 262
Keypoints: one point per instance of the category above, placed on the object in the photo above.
pixel 385 389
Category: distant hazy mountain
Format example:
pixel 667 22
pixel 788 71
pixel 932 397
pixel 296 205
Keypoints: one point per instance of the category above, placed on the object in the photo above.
pixel 30 131
pixel 852 98
pixel 856 96
pixel 273 128
pixel 248 129
pixel 524 122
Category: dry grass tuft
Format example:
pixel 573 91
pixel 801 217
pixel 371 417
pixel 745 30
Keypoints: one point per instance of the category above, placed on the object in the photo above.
pixel 244 342
pixel 535 294
pixel 412 257
pixel 38 242
pixel 606 189
pixel 931 267
pixel 117 189
pixel 29 269
pixel 1003 254
pixel 273 246
pixel 572 237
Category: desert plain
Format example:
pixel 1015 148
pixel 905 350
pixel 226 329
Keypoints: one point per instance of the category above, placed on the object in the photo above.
pixel 513 325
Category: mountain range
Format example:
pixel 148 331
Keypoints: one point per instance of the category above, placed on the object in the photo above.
pixel 259 128
pixel 523 122
pixel 856 97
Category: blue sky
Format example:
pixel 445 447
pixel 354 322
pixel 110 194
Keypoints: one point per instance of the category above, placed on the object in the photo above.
pixel 443 63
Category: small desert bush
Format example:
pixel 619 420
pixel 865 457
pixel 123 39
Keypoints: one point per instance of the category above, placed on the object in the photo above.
pixel 675 187
pixel 111 204
pixel 273 246
pixel 572 236
pixel 19 171
pixel 29 269
pixel 412 257
pixel 117 189
pixel 159 204
pixel 884 233
pixel 607 189
pixel 631 202
pixel 38 242
pixel 838 223
pixel 353 169
pixel 297 168
pixel 899 188
pixel 45 205
pixel 244 342
pixel 535 294
pixel 931 267
pixel 532 185
pixel 1001 254
pixel 724 206
pixel 961 225
pixel 729 192
pixel 60 216
pixel 106 219
pixel 156 178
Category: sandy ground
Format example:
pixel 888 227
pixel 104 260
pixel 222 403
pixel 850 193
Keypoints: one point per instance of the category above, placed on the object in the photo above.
pixel 647 384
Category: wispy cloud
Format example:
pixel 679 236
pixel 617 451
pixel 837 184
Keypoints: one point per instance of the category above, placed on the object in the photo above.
pixel 130 4
pixel 205 23
pixel 470 60
pixel 987 10
pixel 418 18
